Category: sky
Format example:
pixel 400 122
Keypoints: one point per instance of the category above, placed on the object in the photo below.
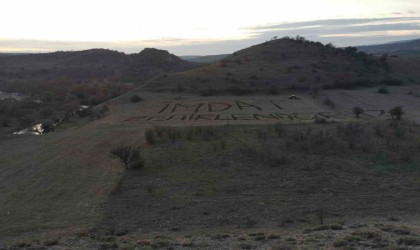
pixel 199 27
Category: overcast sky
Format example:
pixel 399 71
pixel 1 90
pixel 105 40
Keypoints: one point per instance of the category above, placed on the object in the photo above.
pixel 194 27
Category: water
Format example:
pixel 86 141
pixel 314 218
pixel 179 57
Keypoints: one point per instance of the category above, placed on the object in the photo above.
pixel 5 95
pixel 37 128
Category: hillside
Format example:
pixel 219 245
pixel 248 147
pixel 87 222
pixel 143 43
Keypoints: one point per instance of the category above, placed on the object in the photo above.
pixel 236 172
pixel 56 84
pixel 408 48
pixel 93 63
pixel 282 64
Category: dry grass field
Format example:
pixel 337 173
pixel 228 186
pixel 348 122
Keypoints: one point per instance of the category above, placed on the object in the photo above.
pixel 243 172
pixel 407 97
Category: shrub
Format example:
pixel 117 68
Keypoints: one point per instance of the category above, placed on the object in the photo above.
pixel 392 82
pixel 180 88
pixel 399 132
pixel 135 98
pixel 159 131
pixel 128 155
pixel 408 241
pixel 350 130
pixel 329 102
pixel 101 112
pixel 396 113
pixel 47 126
pixel 207 92
pixel 139 164
pixel 357 111
pixel 379 131
pixel 383 90
pixel 150 136
pixel 273 90
pixel 6 122
pixel 85 113
pixel 319 120
pixel 280 129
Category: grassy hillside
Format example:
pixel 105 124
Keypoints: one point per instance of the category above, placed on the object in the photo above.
pixel 88 64
pixel 53 85
pixel 286 169
pixel 282 64
pixel 212 183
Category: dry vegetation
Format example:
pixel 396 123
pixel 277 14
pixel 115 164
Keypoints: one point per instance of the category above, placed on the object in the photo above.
pixel 287 63
pixel 347 179
pixel 294 184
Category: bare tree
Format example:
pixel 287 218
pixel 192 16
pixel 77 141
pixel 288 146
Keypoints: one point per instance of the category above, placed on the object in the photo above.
pixel 357 111
pixel 126 154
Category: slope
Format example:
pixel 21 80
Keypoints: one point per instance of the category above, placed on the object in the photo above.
pixel 93 63
pixel 408 48
pixel 281 64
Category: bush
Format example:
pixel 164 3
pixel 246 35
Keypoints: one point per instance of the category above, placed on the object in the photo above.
pixel 86 112
pixel 139 164
pixel 128 155
pixel 357 111
pixel 319 120
pixel 329 102
pixel 280 129
pixel 207 92
pixel 150 136
pixel 392 82
pixel 101 112
pixel 135 98
pixel 180 88
pixel 408 241
pixel 47 126
pixel 383 90
pixel 273 90
pixel 350 130
pixel 6 122
pixel 396 113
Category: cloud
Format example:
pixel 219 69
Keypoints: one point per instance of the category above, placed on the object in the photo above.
pixel 345 32
pixel 341 32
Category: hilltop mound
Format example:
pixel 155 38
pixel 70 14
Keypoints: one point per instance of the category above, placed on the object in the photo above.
pixel 158 56
pixel 282 64
pixel 93 63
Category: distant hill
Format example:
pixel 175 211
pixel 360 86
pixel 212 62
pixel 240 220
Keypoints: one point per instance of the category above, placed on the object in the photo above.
pixel 399 48
pixel 204 59
pixel 93 63
pixel 282 64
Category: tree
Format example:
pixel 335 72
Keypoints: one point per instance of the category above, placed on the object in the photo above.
pixel 358 111
pixel 135 98
pixel 329 102
pixel 128 155
pixel 47 126
pixel 150 136
pixel 396 113
pixel 383 90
